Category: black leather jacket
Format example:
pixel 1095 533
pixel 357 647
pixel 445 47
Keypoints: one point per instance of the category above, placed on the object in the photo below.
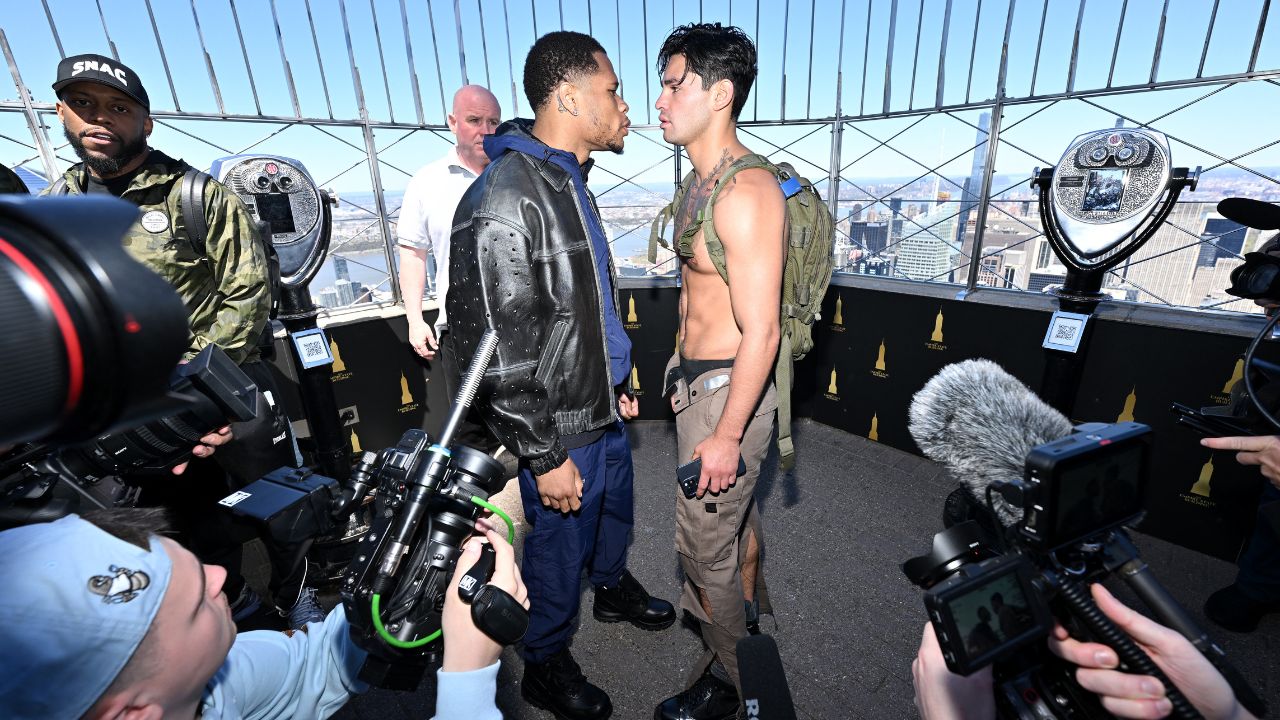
pixel 521 263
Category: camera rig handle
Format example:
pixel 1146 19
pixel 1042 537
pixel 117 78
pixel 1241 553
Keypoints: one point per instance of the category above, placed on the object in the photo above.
pixel 1076 596
pixel 427 483
pixel 1121 556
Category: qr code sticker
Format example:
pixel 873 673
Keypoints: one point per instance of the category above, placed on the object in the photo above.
pixel 313 348
pixel 1066 333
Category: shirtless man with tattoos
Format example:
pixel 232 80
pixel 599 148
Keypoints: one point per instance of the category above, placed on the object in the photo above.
pixel 724 396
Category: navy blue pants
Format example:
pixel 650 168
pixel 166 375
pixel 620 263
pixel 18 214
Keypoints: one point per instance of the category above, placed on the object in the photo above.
pixel 1259 575
pixel 559 546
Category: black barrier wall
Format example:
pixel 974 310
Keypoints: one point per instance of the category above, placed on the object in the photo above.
pixel 381 386
pixel 873 350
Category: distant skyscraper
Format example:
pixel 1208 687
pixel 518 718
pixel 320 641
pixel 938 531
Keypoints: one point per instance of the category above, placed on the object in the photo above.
pixel 874 266
pixel 925 252
pixel 346 291
pixel 328 298
pixel 1163 269
pixel 340 268
pixel 1221 238
pixel 872 236
pixel 972 187
pixel 895 211
pixel 856 215
pixel 1038 281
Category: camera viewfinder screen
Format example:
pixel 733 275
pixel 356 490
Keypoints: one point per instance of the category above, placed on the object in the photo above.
pixel 275 211
pixel 991 615
pixel 1104 190
pixel 1098 493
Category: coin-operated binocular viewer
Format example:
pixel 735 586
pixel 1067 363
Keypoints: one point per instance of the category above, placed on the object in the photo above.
pixel 1109 194
pixel 297 217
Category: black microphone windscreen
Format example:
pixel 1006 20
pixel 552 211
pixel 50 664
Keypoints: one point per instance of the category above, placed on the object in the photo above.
pixel 980 422
pixel 765 694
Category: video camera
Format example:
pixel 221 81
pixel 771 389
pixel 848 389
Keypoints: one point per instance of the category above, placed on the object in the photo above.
pixel 92 335
pixel 993 593
pixel 1256 399
pixel 1078 490
pixel 426 497
pixel 216 392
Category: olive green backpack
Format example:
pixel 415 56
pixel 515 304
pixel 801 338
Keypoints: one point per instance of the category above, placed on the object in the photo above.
pixel 805 277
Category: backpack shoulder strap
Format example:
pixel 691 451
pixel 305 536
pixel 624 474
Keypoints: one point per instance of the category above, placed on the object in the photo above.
pixel 58 187
pixel 664 217
pixel 191 202
pixel 715 248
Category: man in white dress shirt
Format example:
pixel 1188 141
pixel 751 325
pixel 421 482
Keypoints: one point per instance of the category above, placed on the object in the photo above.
pixel 426 219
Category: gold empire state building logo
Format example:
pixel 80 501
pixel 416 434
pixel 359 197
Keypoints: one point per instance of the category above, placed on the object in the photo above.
pixel 1126 415
pixel 355 441
pixel 1202 491
pixel 406 397
pixel 1237 374
pixel 635 381
pixel 340 371
pixel 833 392
pixel 936 341
pixel 338 365
pixel 407 403
pixel 633 320
pixel 1202 486
pixel 837 320
pixel 881 369
pixel 874 432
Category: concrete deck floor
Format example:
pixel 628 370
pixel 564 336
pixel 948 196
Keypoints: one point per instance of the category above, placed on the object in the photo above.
pixel 848 623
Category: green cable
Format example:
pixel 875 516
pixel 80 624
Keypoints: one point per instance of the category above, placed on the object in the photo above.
pixel 511 528
pixel 377 598
pixel 390 640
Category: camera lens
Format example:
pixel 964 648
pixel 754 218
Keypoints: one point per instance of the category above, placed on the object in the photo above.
pixel 88 334
pixel 286 182
pixel 1259 282
pixel 1098 154
pixel 1125 153
pixel 262 181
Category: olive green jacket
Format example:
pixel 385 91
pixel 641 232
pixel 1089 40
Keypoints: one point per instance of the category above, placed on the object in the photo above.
pixel 226 288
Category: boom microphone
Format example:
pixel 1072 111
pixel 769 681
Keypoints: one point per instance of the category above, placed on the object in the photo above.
pixel 765 695
pixel 980 422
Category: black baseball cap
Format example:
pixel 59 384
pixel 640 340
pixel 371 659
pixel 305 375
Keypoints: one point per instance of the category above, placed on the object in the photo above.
pixel 104 71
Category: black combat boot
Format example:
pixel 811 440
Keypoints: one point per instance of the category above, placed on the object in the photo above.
pixel 710 698
pixel 629 602
pixel 559 687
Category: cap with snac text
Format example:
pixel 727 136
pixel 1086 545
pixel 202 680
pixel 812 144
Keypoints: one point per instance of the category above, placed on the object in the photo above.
pixel 77 601
pixel 104 71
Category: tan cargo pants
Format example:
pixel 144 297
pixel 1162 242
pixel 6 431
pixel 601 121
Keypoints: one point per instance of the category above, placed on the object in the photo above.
pixel 711 531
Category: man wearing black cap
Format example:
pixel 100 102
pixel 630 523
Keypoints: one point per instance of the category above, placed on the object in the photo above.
pixel 1256 592
pixel 223 279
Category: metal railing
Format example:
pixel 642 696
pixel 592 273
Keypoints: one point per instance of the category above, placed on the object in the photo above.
pixel 820 102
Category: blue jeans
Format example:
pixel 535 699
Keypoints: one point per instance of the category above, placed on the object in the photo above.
pixel 1259 574
pixel 559 546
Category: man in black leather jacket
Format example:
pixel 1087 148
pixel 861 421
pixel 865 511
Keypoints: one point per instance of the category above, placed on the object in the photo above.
pixel 530 260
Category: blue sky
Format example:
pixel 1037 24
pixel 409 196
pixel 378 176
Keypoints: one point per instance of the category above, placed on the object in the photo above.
pixel 632 31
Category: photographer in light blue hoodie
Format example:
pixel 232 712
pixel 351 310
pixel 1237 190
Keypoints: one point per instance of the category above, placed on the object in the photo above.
pixel 103 617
